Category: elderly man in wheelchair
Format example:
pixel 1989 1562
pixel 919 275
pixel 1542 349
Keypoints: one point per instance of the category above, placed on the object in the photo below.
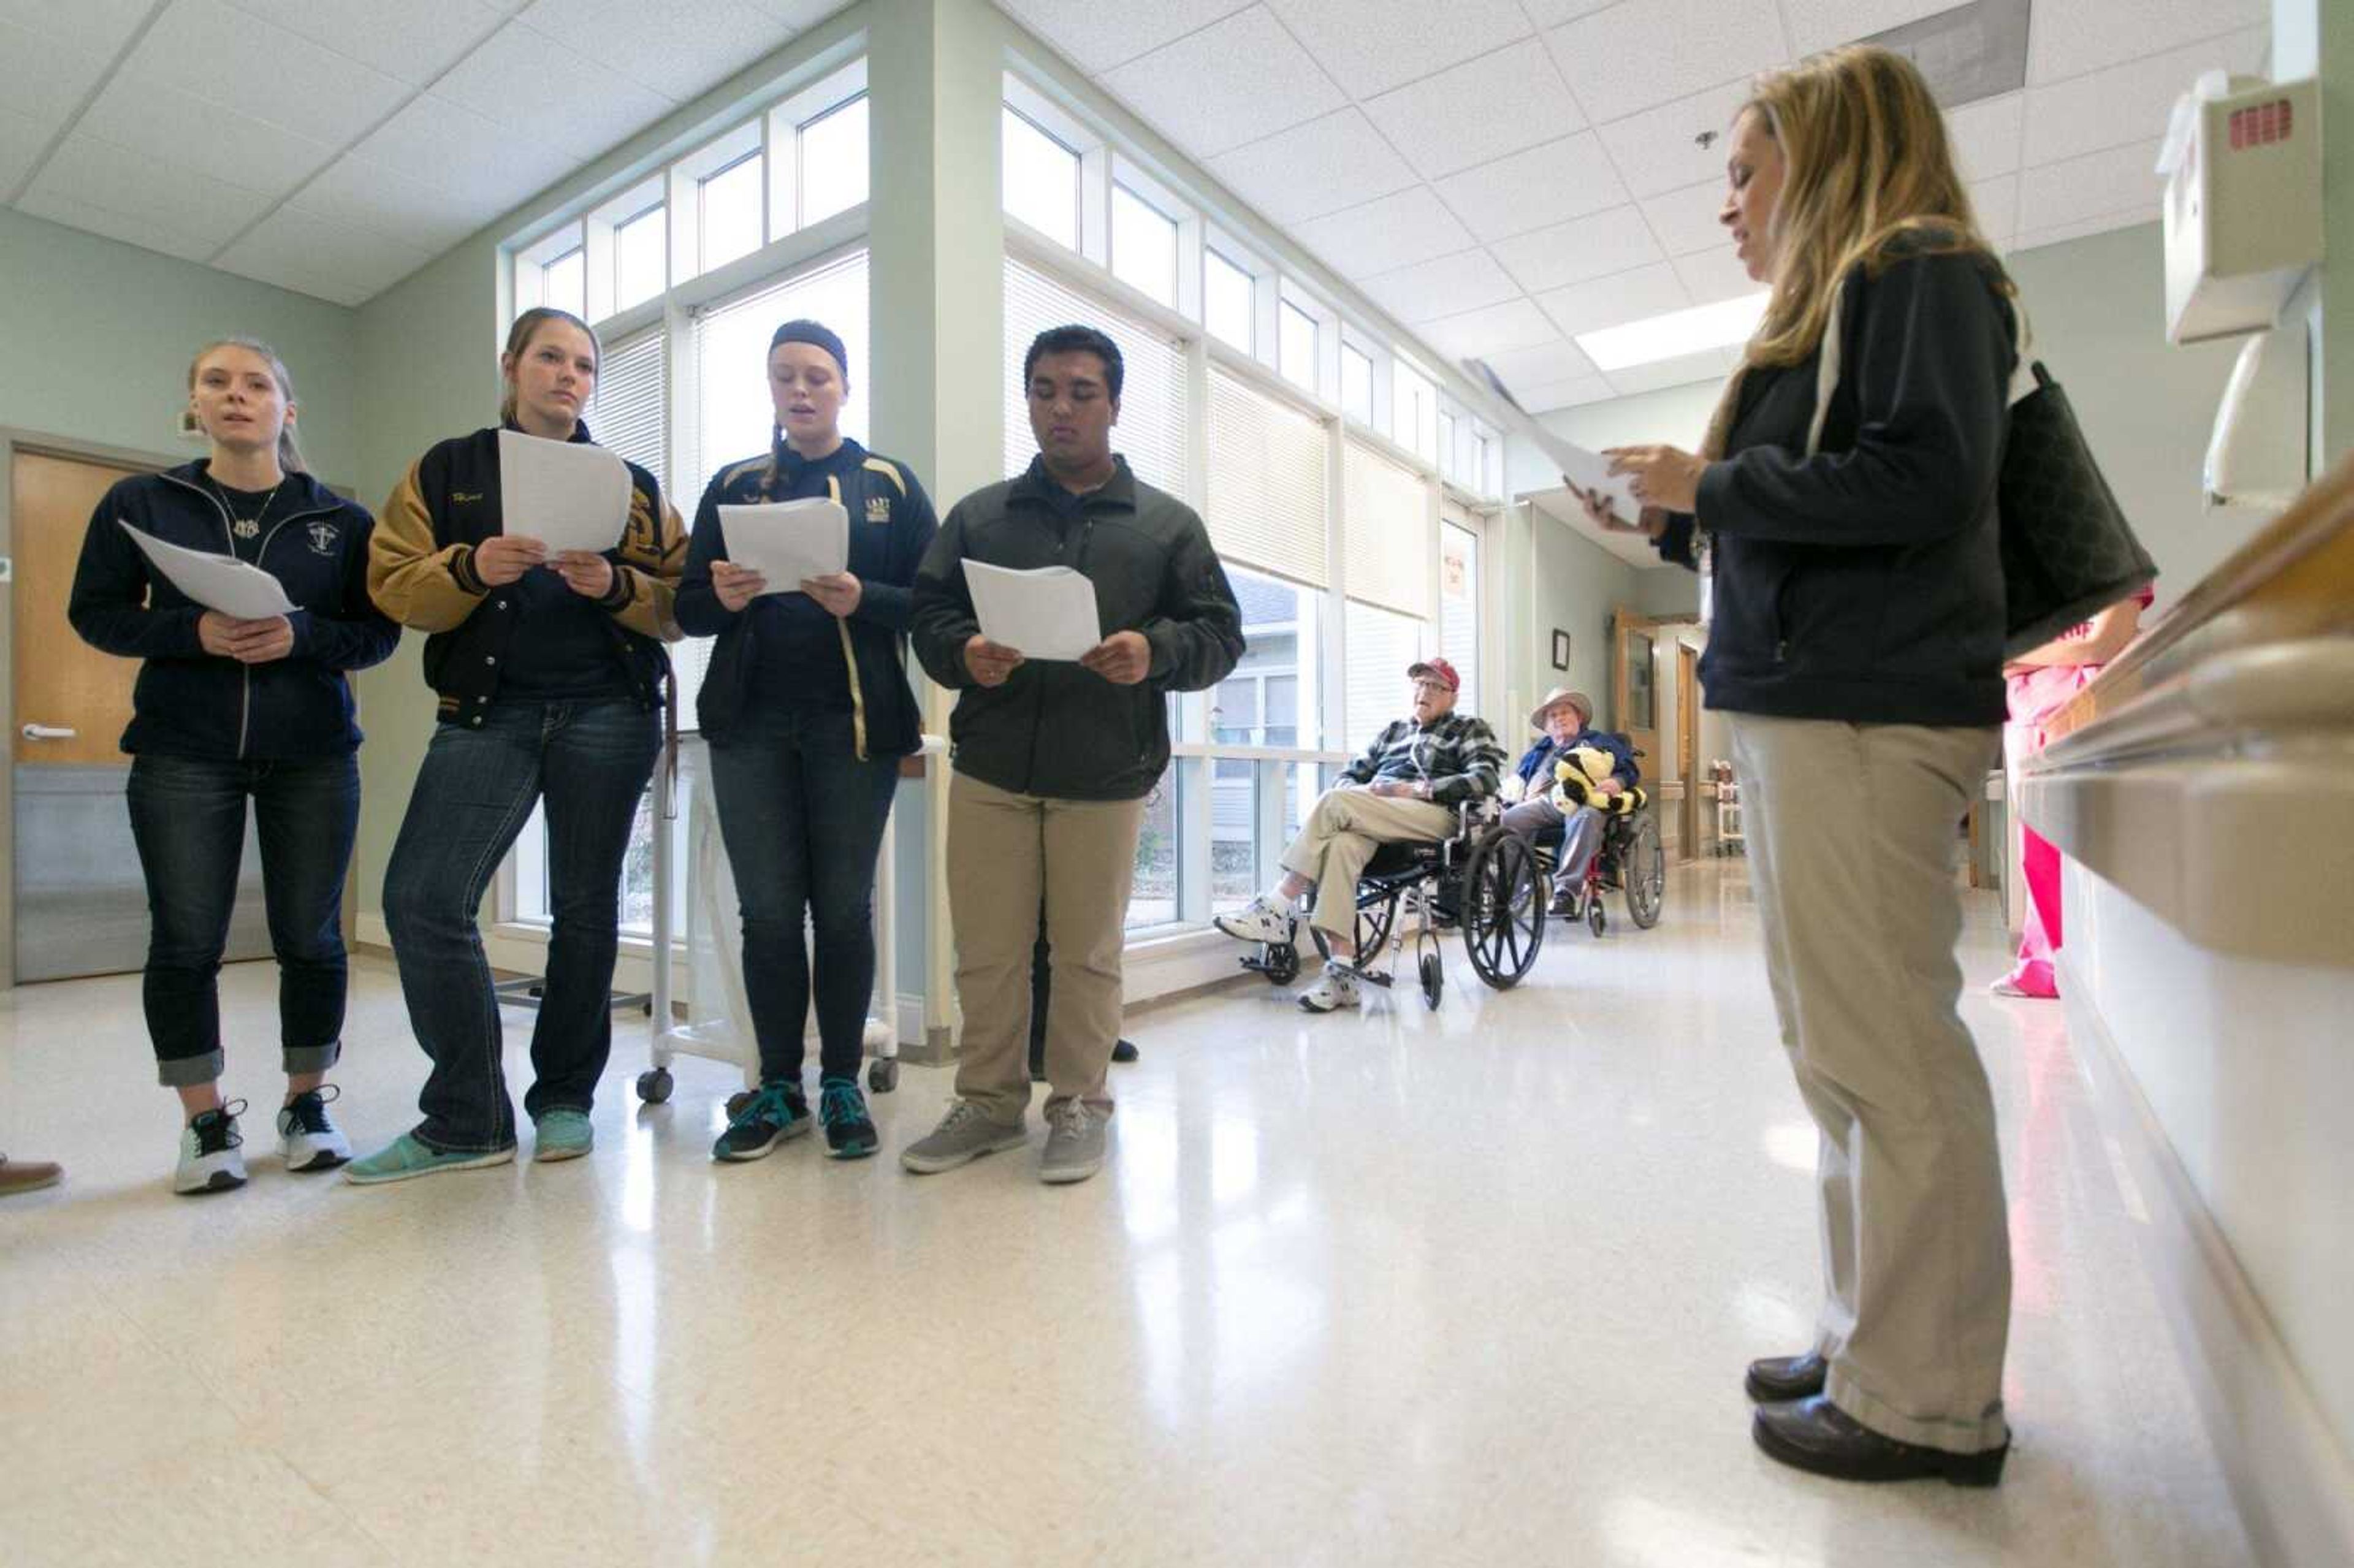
pixel 1407 789
pixel 1575 794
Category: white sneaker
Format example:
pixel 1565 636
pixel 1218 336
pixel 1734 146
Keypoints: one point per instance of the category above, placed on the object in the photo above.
pixel 306 1138
pixel 1257 921
pixel 1337 989
pixel 209 1160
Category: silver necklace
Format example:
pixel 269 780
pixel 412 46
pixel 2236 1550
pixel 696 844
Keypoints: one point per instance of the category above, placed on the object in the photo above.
pixel 245 527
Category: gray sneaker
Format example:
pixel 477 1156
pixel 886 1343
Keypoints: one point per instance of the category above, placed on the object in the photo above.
pixel 964 1135
pixel 1075 1142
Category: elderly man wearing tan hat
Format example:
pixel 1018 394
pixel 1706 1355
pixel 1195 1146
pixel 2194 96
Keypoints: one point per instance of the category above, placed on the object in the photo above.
pixel 1564 721
pixel 1404 790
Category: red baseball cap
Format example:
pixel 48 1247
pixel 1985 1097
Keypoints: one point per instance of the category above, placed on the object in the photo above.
pixel 1438 670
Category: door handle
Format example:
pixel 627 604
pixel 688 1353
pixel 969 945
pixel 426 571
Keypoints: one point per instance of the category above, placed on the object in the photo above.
pixel 49 732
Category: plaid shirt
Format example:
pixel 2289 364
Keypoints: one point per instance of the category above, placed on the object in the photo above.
pixel 1458 756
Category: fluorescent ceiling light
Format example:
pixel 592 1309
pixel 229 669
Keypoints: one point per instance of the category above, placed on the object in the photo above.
pixel 1679 333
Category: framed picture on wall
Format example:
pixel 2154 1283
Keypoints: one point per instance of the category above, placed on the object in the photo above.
pixel 1560 649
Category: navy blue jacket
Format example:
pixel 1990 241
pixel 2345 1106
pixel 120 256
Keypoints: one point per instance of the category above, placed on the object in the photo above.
pixel 189 703
pixel 1540 757
pixel 891 525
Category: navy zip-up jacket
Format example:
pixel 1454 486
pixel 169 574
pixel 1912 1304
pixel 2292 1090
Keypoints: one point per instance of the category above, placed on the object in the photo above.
pixel 189 703
pixel 891 525
pixel 1538 759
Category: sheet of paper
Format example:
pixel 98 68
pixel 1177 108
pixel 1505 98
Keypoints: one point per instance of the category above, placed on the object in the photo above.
pixel 1047 612
pixel 571 496
pixel 785 541
pixel 1587 470
pixel 218 582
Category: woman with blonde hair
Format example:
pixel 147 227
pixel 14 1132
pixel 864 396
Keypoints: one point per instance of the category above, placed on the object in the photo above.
pixel 229 710
pixel 1845 495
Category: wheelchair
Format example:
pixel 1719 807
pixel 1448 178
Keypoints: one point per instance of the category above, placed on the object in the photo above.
pixel 1484 882
pixel 1631 859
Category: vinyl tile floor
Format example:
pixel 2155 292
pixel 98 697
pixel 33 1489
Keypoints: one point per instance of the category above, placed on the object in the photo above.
pixel 1466 1286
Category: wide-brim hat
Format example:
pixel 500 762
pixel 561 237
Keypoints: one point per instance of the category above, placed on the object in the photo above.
pixel 1554 699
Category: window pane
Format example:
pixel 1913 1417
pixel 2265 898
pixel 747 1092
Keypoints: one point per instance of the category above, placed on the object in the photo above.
pixel 1154 404
pixel 1414 409
pixel 1270 698
pixel 731 212
pixel 1381 643
pixel 1356 385
pixel 1296 346
pixel 1041 181
pixel 1458 608
pixel 834 162
pixel 638 257
pixel 1446 444
pixel 1153 901
pixel 1226 300
pixel 565 283
pixel 1143 245
pixel 1233 836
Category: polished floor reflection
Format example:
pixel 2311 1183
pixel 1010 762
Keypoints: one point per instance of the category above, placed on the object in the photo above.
pixel 1470 1286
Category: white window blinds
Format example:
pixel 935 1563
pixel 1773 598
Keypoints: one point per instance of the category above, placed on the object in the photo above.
pixel 1382 644
pixel 734 414
pixel 1152 402
pixel 1386 531
pixel 1458 605
pixel 626 416
pixel 1267 482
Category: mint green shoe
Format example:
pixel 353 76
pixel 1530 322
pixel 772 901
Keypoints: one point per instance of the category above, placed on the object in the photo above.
pixel 563 1135
pixel 406 1157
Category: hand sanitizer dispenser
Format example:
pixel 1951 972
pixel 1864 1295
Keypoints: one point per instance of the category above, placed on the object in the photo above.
pixel 2257 458
pixel 2243 162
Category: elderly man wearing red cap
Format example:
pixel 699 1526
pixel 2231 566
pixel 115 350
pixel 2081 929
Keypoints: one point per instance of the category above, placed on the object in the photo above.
pixel 1404 790
pixel 1565 723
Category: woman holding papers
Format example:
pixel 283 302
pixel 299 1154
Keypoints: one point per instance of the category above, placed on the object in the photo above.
pixel 549 666
pixel 233 708
pixel 807 711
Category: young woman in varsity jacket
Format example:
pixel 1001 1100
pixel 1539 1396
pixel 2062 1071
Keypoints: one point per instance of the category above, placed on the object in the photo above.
pixel 226 711
pixel 806 712
pixel 550 670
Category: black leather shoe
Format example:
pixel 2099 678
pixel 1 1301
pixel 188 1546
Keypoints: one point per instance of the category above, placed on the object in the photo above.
pixel 1816 1436
pixel 1123 1050
pixel 1786 1377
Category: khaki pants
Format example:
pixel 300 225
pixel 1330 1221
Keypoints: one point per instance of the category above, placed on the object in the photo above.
pixel 1852 831
pixel 1006 854
pixel 1340 836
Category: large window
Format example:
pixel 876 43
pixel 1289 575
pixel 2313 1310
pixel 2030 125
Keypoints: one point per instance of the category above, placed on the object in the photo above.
pixel 641 257
pixel 1154 405
pixel 565 281
pixel 1040 179
pixel 732 211
pixel 834 162
pixel 1143 245
pixel 1357 385
pixel 1228 308
pixel 1296 344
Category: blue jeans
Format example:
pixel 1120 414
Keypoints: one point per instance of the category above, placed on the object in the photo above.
pixel 803 820
pixel 591 762
pixel 187 817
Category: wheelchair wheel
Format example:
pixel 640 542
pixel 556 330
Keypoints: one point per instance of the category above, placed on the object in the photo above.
pixel 1281 965
pixel 1433 980
pixel 1503 910
pixel 1645 870
pixel 1373 923
pixel 1596 921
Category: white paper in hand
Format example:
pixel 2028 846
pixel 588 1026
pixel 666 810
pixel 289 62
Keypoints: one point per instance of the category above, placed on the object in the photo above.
pixel 1047 612
pixel 569 495
pixel 785 541
pixel 218 582
pixel 1590 471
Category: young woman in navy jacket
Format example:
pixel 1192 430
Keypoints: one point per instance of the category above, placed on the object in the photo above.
pixel 226 711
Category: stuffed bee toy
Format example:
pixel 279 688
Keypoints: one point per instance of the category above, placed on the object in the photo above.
pixel 1583 768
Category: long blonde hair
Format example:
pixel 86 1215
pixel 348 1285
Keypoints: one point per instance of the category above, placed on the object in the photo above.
pixel 526 327
pixel 290 456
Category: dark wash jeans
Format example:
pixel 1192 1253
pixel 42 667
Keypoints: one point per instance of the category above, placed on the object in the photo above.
pixel 803 818
pixel 187 817
pixel 591 762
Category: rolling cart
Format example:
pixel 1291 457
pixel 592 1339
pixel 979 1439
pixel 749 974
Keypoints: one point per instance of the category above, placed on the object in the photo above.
pixel 1729 839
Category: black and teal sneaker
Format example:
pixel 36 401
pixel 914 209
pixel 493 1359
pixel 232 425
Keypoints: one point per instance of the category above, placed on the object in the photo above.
pixel 849 1131
pixel 762 1120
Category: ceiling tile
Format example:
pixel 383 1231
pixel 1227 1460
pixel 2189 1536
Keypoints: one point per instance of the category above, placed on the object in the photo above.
pixel 1613 301
pixel 678 49
pixel 1685 220
pixel 1099 37
pixel 297 250
pixel 2069 41
pixel 93 27
pixel 2107 223
pixel 1650 52
pixel 1385 235
pixel 132 228
pixel 432 217
pixel 1549 364
pixel 1551 183
pixel 599 107
pixel 1445 286
pixel 2127 102
pixel 1552 13
pixel 148 188
pixel 1481 110
pixel 1997 201
pixel 1372 45
pixel 442 143
pixel 152 117
pixel 1573 393
pixel 1986 136
pixel 1684 370
pixel 1593 247
pixel 1825 23
pixel 211 50
pixel 414 41
pixel 1516 323
pixel 45 78
pixel 21 138
pixel 1227 85
pixel 1659 150
pixel 1708 276
pixel 2112 180
pixel 1312 169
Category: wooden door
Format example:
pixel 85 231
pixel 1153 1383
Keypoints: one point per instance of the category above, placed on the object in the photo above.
pixel 1634 683
pixel 1688 743
pixel 62 681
